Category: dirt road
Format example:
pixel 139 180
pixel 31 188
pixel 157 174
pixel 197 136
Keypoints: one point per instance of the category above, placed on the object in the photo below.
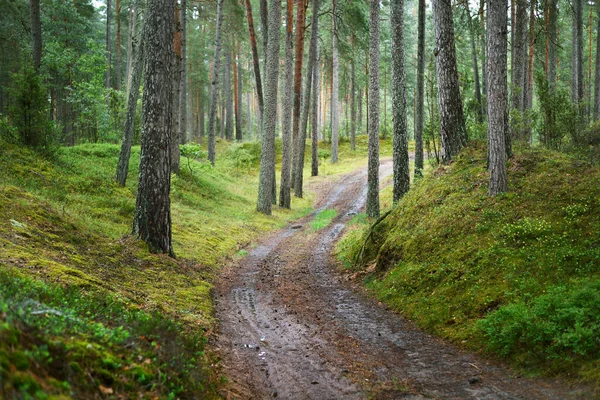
pixel 293 328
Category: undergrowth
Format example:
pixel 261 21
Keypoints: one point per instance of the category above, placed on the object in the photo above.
pixel 517 275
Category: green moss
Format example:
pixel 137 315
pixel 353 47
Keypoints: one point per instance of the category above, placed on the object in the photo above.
pixel 449 255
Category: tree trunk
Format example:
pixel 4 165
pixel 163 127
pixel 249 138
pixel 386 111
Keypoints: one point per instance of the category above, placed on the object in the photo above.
pixel 400 130
pixel 132 99
pixel 578 54
pixel 352 106
pixel 498 94
pixel 36 33
pixel 314 171
pixel 286 117
pixel 519 42
pixel 335 107
pixel 176 85
pixel 530 70
pixel 420 98
pixel 237 77
pixel 131 34
pixel 483 49
pixel 212 116
pixel 152 222
pixel 475 63
pixel 264 16
pixel 183 78
pixel 597 77
pixel 108 54
pixel 552 45
pixel 118 63
pixel 373 113
pixel 201 121
pixel 267 157
pixel 255 58
pixel 228 95
pixel 312 62
pixel 298 59
pixel 452 123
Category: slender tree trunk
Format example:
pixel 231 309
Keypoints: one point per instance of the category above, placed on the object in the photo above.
pixel 36 33
pixel 264 16
pixel 228 95
pixel 286 118
pixel 201 122
pixel 267 157
pixel 118 63
pixel 475 63
pixel 212 115
pixel 183 78
pixel 498 95
pixel 255 59
pixel 108 53
pixel 312 63
pixel 335 107
pixel 400 130
pixel 359 123
pixel 298 59
pixel 452 123
pixel 373 113
pixel 136 79
pixel 420 90
pixel 578 4
pixel 597 77
pixel 484 79
pixel 314 171
pixel 518 73
pixel 131 34
pixel 352 107
pixel 530 71
pixel 176 85
pixel 238 94
pixel 152 222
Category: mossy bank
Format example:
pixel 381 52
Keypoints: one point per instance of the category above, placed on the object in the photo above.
pixel 517 275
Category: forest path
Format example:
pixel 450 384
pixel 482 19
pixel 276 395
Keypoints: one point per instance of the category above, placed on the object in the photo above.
pixel 292 327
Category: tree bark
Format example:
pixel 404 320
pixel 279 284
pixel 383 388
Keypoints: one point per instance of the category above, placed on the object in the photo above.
pixel 108 53
pixel 314 171
pixel 578 54
pixel 298 59
pixel 420 98
pixel 228 95
pixel 36 33
pixel 452 123
pixel 373 113
pixel 552 45
pixel 182 134
pixel 152 222
pixel 176 85
pixel 212 116
pixel 519 42
pixel 483 49
pixel 335 107
pixel 400 130
pixel 286 118
pixel 352 107
pixel 237 77
pixel 131 34
pixel 255 58
pixel 597 75
pixel 132 99
pixel 118 63
pixel 473 38
pixel 267 157
pixel 498 96
pixel 312 61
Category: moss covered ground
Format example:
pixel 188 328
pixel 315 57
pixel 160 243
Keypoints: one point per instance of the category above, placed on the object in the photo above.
pixel 517 275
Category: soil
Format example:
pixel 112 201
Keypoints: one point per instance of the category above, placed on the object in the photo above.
pixel 293 326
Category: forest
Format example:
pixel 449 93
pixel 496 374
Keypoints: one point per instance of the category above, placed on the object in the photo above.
pixel 299 199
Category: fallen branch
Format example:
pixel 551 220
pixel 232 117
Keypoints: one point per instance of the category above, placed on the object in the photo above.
pixel 371 230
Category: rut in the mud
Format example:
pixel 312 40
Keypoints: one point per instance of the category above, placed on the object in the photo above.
pixel 292 328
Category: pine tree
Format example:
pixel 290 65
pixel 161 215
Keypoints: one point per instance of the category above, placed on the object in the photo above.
pixel 212 115
pixel 420 92
pixel 373 114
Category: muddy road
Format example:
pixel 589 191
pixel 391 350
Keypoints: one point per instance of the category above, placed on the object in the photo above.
pixel 292 327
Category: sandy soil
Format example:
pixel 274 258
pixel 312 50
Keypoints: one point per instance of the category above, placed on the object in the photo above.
pixel 293 327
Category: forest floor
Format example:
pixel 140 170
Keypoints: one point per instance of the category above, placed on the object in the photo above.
pixel 293 326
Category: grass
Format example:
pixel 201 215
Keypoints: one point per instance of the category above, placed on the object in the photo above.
pixel 85 310
pixel 515 275
pixel 323 219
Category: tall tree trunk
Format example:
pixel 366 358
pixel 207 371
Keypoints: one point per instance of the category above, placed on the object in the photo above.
pixel 400 130
pixel 498 95
pixel 182 134
pixel 578 49
pixel 452 123
pixel 312 64
pixel 420 90
pixel 483 49
pixel 373 113
pixel 314 171
pixel 475 63
pixel 152 221
pixel 298 59
pixel 36 33
pixel 118 63
pixel 176 85
pixel 131 34
pixel 519 68
pixel 335 107
pixel 530 70
pixel 108 54
pixel 597 77
pixel 255 58
pixel 212 115
pixel 201 122
pixel 359 122
pixel 228 95
pixel 132 99
pixel 286 118
pixel 267 157
pixel 352 106
pixel 237 77
pixel 264 16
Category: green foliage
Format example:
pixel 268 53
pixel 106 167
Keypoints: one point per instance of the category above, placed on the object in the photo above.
pixel 561 326
pixel 323 219
pixel 244 155
pixel 449 256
